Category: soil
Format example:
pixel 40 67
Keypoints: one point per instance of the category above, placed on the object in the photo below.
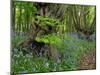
pixel 88 61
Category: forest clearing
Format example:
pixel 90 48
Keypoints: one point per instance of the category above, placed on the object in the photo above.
pixel 50 37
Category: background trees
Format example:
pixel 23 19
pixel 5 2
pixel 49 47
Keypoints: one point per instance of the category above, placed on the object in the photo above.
pixel 72 18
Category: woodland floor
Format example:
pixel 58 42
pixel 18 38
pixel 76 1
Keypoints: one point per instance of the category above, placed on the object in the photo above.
pixel 88 60
pixel 79 54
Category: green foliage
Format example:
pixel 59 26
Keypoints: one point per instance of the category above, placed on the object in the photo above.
pixel 50 38
pixel 17 40
pixel 46 21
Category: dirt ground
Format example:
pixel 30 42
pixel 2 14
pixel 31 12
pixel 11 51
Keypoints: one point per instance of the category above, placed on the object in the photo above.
pixel 88 61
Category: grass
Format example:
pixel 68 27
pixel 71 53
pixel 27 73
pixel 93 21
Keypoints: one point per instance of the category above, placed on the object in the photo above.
pixel 70 48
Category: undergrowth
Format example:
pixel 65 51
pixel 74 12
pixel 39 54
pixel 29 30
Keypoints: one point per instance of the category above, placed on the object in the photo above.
pixel 70 48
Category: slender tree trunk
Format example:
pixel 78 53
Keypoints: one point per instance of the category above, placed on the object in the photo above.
pixel 13 15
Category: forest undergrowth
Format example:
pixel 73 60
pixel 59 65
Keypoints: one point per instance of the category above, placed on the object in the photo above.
pixel 71 51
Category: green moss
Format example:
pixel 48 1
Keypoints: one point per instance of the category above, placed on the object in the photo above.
pixel 45 21
pixel 52 39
